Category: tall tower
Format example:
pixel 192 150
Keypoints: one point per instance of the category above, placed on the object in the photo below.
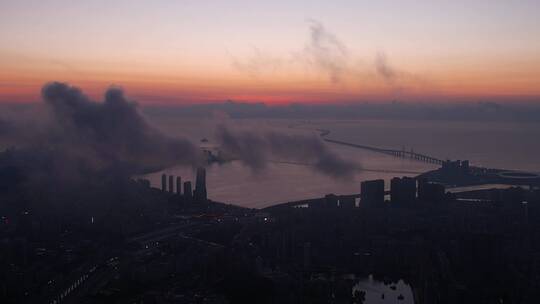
pixel 163 182
pixel 188 194
pixel 200 185
pixel 178 185
pixel 171 183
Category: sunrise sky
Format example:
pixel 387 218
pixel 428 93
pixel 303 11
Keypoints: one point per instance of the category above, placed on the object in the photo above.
pixel 166 52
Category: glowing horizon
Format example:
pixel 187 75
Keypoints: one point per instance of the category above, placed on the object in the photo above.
pixel 197 51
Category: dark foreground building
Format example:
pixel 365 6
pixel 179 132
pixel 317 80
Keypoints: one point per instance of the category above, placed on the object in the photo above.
pixel 372 193
pixel 403 190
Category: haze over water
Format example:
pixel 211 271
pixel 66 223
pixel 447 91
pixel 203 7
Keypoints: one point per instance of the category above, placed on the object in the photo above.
pixel 489 144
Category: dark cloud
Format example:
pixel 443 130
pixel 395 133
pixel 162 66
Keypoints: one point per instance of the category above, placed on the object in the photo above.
pixel 18 129
pixel 255 149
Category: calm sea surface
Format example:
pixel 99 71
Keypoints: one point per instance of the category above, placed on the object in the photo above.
pixel 490 144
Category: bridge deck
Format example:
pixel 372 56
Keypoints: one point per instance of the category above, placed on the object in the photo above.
pixel 396 153
pixel 323 133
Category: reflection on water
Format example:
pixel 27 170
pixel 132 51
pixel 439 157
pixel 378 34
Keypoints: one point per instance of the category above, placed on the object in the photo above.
pixel 282 181
pixel 237 184
pixel 379 293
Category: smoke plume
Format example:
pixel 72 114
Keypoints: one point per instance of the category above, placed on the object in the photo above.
pixel 384 70
pixel 255 149
pixel 113 129
pixel 323 52
pixel 96 136
pixel 326 52
pixel 258 63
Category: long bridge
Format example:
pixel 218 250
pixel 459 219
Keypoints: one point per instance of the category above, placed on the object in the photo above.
pixel 396 153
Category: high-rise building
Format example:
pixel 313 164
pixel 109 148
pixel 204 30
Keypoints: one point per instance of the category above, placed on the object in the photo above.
pixel 430 192
pixel 465 167
pixel 163 182
pixel 422 182
pixel 372 192
pixel 178 185
pixel 403 190
pixel 200 185
pixel 171 183
pixel 395 184
pixel 188 193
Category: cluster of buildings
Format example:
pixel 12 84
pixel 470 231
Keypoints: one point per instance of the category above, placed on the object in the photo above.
pixel 475 251
pixel 142 245
pixel 403 190
pixel 174 185
pixel 456 166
